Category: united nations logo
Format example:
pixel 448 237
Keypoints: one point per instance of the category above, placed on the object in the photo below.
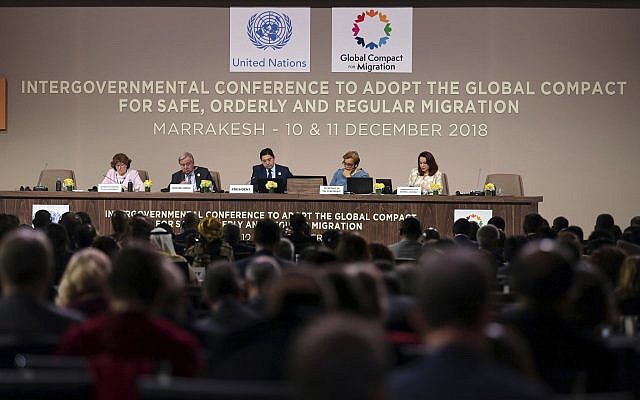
pixel 269 30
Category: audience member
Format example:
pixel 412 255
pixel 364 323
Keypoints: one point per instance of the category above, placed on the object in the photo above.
pixel 454 304
pixel 106 244
pixel 300 233
pixel 85 218
pixel 71 222
pixel 266 235
pixel 609 259
pixel 260 274
pixel 566 358
pixel 489 241
pixel 628 288
pixel 84 283
pixel 84 236
pixel 41 219
pixel 210 248
pixel 463 233
pixel 330 238
pixel 498 222
pixel 286 250
pixel 162 240
pixel 138 230
pixel 189 234
pixel 340 357
pixel 8 223
pixel 125 343
pixel 231 235
pixel 560 223
pixel 605 222
pixel 26 268
pixel 62 253
pixel 352 248
pixel 408 247
pixel 533 225
pixel 119 220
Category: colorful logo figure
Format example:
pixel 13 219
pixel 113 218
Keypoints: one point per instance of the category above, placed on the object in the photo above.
pixel 269 30
pixel 372 16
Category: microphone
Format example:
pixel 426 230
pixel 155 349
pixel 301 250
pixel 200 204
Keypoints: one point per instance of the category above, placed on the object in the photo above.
pixel 39 186
pixel 111 179
pixel 478 181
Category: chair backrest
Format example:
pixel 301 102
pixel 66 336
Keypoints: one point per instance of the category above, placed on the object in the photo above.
pixel 445 184
pixel 143 174
pixel 506 184
pixel 48 177
pixel 216 178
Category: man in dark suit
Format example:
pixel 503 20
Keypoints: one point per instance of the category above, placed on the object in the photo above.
pixel 26 269
pixel 191 174
pixel 454 303
pixel 268 169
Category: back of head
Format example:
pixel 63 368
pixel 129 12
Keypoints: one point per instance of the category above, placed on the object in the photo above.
pixel 298 222
pixel 119 221
pixel 532 223
pixel 138 228
pixel 296 296
pixel 560 223
pixel 162 239
pixel 190 221
pixel 339 357
pixel 71 222
pixel 575 229
pixel 231 233
pixel 267 233
pixel 462 226
pixel 221 281
pixel 8 223
pixel 210 229
pixel 544 273
pixel 352 248
pixel 137 275
pixel 41 219
pixel 85 275
pixel 488 237
pixel 410 228
pixel 107 245
pixel 629 282
pixel 330 238
pixel 84 236
pixel 498 222
pixel 454 289
pixel 26 259
pixel 604 222
pixel 609 259
pixel 286 250
pixel 261 272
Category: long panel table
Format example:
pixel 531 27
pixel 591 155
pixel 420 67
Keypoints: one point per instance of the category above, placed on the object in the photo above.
pixel 377 217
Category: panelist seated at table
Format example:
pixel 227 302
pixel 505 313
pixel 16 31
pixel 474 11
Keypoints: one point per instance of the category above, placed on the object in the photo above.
pixel 350 169
pixel 121 174
pixel 190 174
pixel 426 173
pixel 268 169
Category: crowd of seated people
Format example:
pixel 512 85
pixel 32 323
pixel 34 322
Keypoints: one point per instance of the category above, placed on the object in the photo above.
pixel 471 313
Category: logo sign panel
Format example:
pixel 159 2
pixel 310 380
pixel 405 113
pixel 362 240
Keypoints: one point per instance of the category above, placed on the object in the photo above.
pixel 371 39
pixel 269 39
pixel 482 217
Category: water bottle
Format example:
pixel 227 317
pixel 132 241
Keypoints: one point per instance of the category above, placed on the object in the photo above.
pixel 58 184
pixel 130 186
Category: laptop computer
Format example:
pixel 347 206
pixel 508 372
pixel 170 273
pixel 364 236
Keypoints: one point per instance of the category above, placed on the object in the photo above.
pixel 360 185
pixel 262 188
pixel 305 184
pixel 388 189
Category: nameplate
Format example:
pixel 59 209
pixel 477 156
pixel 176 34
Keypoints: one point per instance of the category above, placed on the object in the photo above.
pixel 331 189
pixel 409 191
pixel 240 188
pixel 109 188
pixel 180 188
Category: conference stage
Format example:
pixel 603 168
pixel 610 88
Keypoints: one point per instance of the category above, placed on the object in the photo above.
pixel 377 217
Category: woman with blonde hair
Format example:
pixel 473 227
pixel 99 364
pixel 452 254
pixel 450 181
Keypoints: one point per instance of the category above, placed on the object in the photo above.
pixel 628 290
pixel 83 286
pixel 350 169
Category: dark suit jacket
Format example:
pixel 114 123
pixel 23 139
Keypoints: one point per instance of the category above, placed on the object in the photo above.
pixel 24 316
pixel 200 173
pixel 260 172
pixel 458 372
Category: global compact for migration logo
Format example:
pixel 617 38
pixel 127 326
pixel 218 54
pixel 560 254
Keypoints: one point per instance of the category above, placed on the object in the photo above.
pixel 377 18
pixel 269 40
pixel 372 48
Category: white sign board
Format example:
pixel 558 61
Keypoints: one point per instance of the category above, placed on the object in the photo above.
pixel 409 191
pixel 240 189
pixel 56 210
pixel 180 188
pixel 109 188
pixel 331 189
pixel 482 217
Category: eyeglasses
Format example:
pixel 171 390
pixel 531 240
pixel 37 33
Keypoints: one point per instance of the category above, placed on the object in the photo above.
pixel 120 165
pixel 348 164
